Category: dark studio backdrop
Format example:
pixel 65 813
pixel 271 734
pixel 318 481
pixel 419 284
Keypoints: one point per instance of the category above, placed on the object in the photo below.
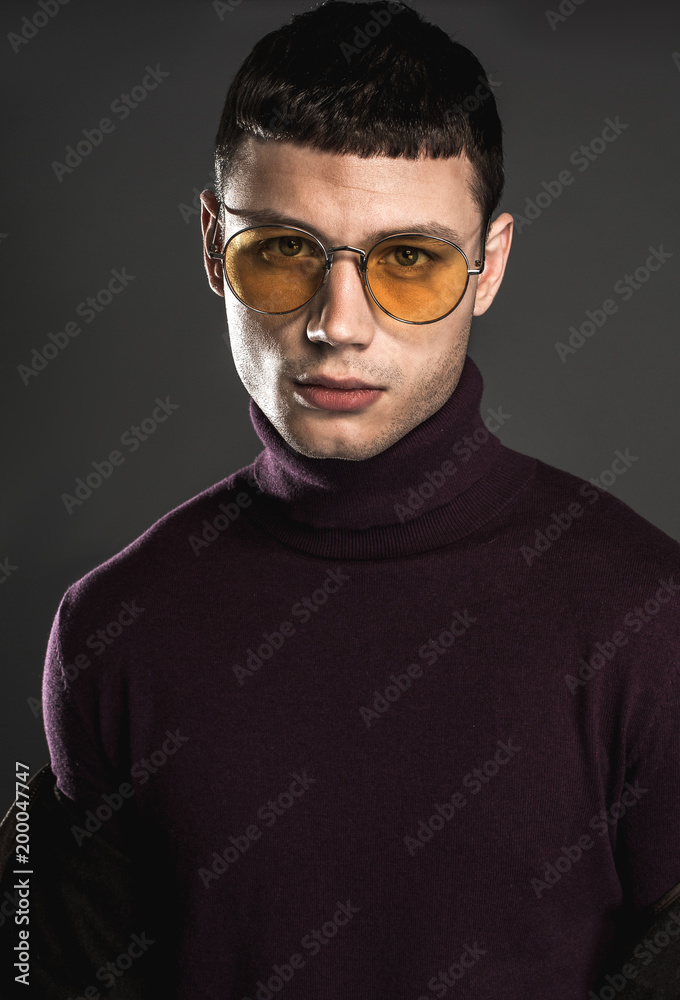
pixel 119 226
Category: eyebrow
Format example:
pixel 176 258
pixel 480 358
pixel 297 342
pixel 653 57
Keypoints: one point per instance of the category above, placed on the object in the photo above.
pixel 266 216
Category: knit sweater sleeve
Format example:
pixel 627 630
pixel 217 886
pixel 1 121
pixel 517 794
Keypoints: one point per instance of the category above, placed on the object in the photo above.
pixel 84 703
pixel 648 846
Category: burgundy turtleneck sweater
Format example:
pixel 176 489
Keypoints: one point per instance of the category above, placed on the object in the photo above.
pixel 402 728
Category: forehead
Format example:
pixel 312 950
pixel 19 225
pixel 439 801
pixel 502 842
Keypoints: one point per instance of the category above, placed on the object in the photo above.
pixel 345 195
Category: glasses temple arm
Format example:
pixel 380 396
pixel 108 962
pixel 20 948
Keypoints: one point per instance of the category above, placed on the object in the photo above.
pixel 213 252
pixel 482 262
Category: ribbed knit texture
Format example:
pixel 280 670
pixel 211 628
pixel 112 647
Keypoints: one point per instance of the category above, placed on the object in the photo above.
pixel 381 770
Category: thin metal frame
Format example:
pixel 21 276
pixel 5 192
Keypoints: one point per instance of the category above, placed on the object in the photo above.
pixel 215 254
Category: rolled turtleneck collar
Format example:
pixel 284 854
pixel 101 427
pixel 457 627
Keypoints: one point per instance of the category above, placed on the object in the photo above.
pixel 441 480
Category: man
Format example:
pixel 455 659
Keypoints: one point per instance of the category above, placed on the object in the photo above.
pixel 396 706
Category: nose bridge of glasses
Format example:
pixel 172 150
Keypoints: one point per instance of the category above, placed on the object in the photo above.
pixel 331 258
pixel 332 250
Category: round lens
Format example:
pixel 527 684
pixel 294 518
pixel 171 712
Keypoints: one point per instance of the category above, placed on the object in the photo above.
pixel 416 278
pixel 274 269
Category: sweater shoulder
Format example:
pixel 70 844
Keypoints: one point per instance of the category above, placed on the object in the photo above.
pixel 605 534
pixel 166 552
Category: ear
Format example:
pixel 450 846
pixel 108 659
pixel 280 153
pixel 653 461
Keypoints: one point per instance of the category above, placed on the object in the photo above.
pixel 213 268
pixel 496 257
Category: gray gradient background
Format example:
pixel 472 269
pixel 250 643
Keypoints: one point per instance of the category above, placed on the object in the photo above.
pixel 164 334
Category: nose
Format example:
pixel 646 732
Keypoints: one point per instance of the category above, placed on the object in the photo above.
pixel 342 312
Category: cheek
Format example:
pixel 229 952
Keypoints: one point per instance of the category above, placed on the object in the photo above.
pixel 435 362
pixel 247 335
pixel 432 346
pixel 256 349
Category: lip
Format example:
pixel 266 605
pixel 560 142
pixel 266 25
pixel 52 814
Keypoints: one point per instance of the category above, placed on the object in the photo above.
pixel 335 383
pixel 343 396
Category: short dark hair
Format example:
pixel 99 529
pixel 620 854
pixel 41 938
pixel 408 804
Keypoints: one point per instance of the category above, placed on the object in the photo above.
pixel 366 79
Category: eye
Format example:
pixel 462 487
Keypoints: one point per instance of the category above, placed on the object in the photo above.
pixel 289 246
pixel 408 256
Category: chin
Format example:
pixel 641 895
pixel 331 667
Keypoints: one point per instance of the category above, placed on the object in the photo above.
pixel 313 445
pixel 324 449
pixel 348 450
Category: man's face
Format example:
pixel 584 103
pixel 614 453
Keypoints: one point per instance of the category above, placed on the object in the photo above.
pixel 341 333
